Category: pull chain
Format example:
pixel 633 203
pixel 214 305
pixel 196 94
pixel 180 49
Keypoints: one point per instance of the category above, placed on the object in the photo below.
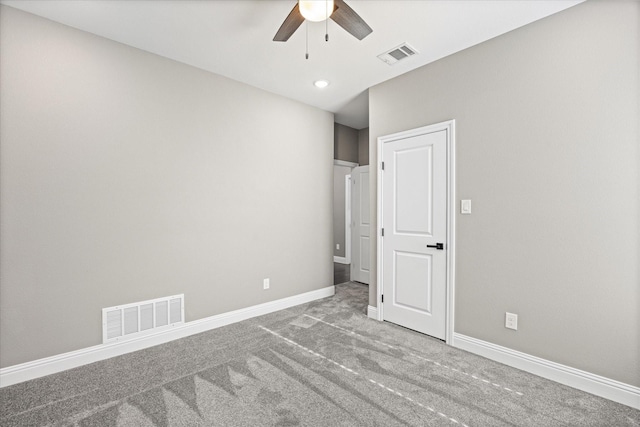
pixel 326 29
pixel 326 35
pixel 326 22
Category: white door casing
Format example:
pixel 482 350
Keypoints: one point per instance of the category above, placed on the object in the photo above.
pixel 346 259
pixel 415 210
pixel 360 214
pixel 347 219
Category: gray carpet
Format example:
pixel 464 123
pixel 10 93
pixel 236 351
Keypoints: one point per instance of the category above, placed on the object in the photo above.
pixel 318 364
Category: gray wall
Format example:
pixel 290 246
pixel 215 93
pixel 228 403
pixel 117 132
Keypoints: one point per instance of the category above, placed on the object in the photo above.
pixel 345 143
pixel 363 146
pixel 547 149
pixel 126 176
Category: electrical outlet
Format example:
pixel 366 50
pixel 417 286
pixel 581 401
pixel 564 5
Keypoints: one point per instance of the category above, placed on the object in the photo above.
pixel 511 321
pixel 265 284
pixel 338 246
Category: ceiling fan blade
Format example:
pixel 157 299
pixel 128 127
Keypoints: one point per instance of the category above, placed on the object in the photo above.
pixel 290 25
pixel 348 19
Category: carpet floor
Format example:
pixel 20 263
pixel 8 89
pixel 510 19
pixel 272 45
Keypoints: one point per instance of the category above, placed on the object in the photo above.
pixel 318 364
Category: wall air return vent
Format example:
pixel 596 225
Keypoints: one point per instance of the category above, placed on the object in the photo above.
pixel 131 321
pixel 398 53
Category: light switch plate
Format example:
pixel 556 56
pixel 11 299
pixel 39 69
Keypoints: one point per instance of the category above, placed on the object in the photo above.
pixel 465 207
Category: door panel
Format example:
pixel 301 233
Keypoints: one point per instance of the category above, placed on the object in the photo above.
pixel 360 262
pixel 365 250
pixel 413 208
pixel 414 215
pixel 411 268
pixel 363 195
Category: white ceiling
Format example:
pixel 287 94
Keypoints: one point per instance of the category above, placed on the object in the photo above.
pixel 234 38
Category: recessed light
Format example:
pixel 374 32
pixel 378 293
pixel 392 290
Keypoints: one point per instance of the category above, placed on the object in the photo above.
pixel 321 84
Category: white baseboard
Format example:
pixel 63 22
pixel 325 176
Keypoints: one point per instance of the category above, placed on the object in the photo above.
pixel 595 384
pixel 61 362
pixel 340 260
pixel 372 312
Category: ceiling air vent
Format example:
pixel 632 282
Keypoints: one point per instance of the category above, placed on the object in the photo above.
pixel 398 53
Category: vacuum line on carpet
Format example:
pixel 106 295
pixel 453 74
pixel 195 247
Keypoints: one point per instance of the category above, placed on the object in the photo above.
pixel 382 386
pixel 418 356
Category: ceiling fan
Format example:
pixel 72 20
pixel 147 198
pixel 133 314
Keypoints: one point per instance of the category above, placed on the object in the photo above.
pixel 320 10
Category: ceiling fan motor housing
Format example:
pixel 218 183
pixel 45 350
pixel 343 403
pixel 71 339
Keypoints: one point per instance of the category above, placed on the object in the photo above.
pixel 316 10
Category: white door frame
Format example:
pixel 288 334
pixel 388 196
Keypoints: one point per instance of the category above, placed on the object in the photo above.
pixel 347 213
pixel 449 127
pixel 347 219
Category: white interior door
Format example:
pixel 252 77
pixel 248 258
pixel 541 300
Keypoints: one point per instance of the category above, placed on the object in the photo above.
pixel 360 242
pixel 414 220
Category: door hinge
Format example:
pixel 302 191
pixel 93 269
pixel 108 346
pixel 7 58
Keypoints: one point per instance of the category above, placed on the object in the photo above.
pixel 382 165
pixel 383 232
pixel 381 298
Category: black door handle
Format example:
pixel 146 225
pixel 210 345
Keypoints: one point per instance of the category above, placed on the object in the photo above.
pixel 438 246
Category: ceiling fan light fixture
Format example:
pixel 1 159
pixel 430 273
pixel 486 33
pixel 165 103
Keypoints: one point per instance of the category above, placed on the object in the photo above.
pixel 316 10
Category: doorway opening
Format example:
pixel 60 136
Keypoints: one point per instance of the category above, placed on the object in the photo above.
pixel 351 150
